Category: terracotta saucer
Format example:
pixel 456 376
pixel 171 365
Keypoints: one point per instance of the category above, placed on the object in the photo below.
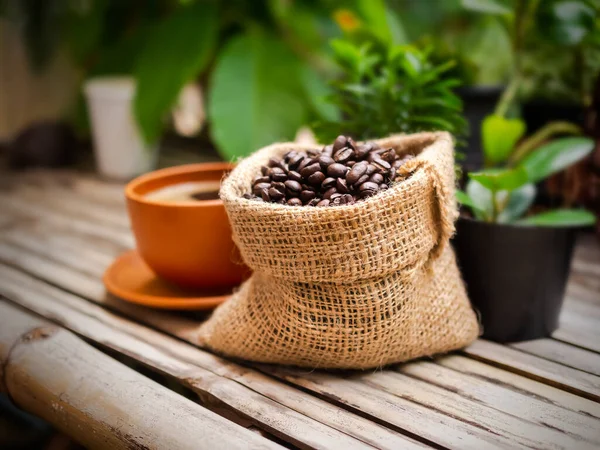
pixel 130 279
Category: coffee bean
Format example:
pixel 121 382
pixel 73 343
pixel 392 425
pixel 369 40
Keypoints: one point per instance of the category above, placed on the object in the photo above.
pixel 367 189
pixel 337 170
pixel 342 186
pixel 275 162
pixel 289 155
pixel 293 186
pixel 257 189
pixel 275 171
pixel 306 187
pixel 371 169
pixel 363 150
pixel 309 170
pixel 279 177
pixel 264 170
pixel 335 195
pixel 350 163
pixel 325 160
pixel 329 192
pixel 382 165
pixel 307 196
pixel 294 161
pixel 247 196
pixel 328 182
pixel 263 179
pixel 294 202
pixel 343 155
pixel 328 150
pixel 392 174
pixel 383 187
pixel 314 202
pixel 336 201
pixel 293 175
pixel 275 194
pixel 323 203
pixel 302 164
pixel 350 143
pixel 316 178
pixel 340 142
pixel 348 199
pixel 361 180
pixel 264 193
pixel 389 155
pixel 376 178
pixel 356 172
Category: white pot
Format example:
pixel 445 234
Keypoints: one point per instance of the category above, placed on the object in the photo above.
pixel 120 150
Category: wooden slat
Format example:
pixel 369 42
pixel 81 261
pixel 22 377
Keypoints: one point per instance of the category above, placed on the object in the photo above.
pixel 561 411
pixel 562 353
pixel 291 415
pixel 547 371
pixel 517 430
pixel 98 401
pixel 522 384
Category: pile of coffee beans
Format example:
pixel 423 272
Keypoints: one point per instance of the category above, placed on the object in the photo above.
pixel 339 174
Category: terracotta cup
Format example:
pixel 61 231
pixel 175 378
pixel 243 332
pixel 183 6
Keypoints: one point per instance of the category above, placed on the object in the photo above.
pixel 187 243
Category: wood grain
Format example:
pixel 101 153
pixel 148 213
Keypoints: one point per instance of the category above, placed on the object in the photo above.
pixel 99 402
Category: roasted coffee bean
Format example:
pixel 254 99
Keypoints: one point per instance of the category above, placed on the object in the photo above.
pixel 275 171
pixel 247 196
pixel 325 160
pixel 309 170
pixel 376 178
pixel 328 150
pixel 323 203
pixel 314 202
pixel 350 143
pixel 279 177
pixel 356 172
pixel 329 192
pixel 350 163
pixel 316 178
pixel 306 187
pixel 275 162
pixel 361 180
pixel 289 155
pixel 278 185
pixel 342 186
pixel 263 179
pixel 340 142
pixel 335 195
pixel 392 174
pixel 368 188
pixel 264 193
pixel 275 194
pixel 382 165
pixel 307 196
pixel 371 169
pixel 302 164
pixel 264 170
pixel 336 201
pixel 383 187
pixel 293 175
pixel 295 160
pixel 328 182
pixel 343 155
pixel 293 187
pixel 257 189
pixel 294 202
pixel 348 199
pixel 363 150
pixel 337 170
pixel 389 155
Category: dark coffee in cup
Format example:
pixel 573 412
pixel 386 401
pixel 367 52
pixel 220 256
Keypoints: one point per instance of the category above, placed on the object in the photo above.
pixel 186 192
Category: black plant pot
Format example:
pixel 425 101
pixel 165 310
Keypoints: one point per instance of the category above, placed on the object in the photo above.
pixel 515 276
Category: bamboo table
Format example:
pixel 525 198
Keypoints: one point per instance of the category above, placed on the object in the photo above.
pixel 89 363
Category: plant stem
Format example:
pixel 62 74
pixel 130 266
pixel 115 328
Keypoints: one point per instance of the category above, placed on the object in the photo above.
pixel 508 96
pixel 535 140
pixel 495 207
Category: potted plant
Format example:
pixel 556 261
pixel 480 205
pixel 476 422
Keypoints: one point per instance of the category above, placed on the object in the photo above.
pixel 515 255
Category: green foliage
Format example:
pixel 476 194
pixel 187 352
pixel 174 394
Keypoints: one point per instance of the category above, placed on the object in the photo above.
pixel 500 136
pixel 254 102
pixel 565 22
pixel 389 89
pixel 505 194
pixel 560 218
pixel 488 6
pixel 175 52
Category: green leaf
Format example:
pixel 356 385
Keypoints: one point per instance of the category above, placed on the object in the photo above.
pixel 464 199
pixel 381 22
pixel 561 218
pixel 255 98
pixel 555 157
pixel 501 179
pixel 317 91
pixel 481 198
pixel 519 202
pixel 500 136
pixel 487 6
pixel 565 22
pixel 175 53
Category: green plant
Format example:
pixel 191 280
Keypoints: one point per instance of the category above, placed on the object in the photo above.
pixel 384 89
pixel 505 190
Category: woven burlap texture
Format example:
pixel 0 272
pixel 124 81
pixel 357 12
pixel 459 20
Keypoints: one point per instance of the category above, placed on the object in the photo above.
pixel 349 287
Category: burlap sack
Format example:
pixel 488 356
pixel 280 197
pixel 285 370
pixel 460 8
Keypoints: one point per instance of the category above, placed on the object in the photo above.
pixel 357 286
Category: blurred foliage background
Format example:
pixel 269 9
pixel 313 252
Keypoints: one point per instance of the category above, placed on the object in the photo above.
pixel 268 67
